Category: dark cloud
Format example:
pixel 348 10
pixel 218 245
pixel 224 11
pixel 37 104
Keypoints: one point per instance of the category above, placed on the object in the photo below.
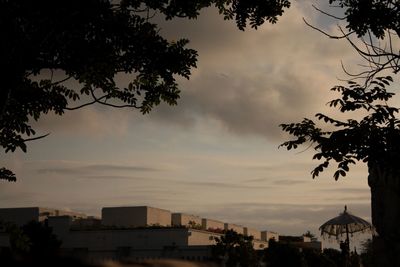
pixel 243 105
pixel 252 81
pixel 80 170
pixel 256 180
pixel 365 199
pixel 60 170
pixel 347 190
pixel 112 177
pixel 213 185
pixel 289 182
pixel 110 167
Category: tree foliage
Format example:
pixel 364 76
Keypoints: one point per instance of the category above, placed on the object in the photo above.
pixel 371 15
pixel 374 138
pixel 235 249
pixel 65 55
pixel 33 239
pixel 283 255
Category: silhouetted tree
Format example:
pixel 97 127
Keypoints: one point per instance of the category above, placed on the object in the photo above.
pixel 310 235
pixel 49 45
pixel 334 256
pixel 374 139
pixel 234 249
pixel 283 255
pixel 315 258
pixel 371 27
pixel 30 245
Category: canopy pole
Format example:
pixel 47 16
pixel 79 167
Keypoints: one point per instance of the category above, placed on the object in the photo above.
pixel 347 239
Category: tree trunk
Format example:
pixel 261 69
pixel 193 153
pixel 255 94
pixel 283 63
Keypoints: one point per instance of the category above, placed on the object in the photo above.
pixel 385 210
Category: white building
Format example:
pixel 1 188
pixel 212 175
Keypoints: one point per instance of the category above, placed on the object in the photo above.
pixel 130 232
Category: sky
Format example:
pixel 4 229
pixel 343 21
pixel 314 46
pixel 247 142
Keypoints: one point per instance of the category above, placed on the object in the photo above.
pixel 216 154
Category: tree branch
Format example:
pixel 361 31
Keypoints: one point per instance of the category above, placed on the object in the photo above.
pixel 327 14
pixel 327 34
pixel 36 138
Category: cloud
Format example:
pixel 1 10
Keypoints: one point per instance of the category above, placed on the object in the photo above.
pixel 250 82
pixel 112 177
pixel 246 82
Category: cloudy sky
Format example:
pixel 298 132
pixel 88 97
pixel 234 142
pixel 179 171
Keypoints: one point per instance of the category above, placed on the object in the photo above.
pixel 216 153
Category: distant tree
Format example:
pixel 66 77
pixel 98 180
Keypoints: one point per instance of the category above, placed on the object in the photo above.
pixel 65 55
pixel 19 241
pixel 32 241
pixel 234 249
pixel 315 258
pixel 42 240
pixel 310 235
pixel 334 255
pixel 283 255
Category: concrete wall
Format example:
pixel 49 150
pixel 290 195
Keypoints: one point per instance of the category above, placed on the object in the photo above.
pixel 179 219
pixel 60 225
pixel 203 238
pixel 124 216
pixel 134 238
pixel 211 224
pixel 139 216
pixel 267 235
pixel 252 232
pixel 237 228
pixel 316 245
pixel 158 217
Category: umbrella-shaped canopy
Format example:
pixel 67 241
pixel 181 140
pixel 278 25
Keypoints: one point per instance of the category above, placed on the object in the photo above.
pixel 345 223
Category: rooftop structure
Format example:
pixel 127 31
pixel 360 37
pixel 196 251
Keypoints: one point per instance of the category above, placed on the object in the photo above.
pixel 301 242
pixel 237 228
pixel 181 219
pixel 139 216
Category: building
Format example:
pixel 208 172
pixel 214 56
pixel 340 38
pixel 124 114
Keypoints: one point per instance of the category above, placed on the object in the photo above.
pixel 139 232
pixel 21 216
pixel 140 216
pixel 237 228
pixel 301 242
pixel 268 235
pixel 181 219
